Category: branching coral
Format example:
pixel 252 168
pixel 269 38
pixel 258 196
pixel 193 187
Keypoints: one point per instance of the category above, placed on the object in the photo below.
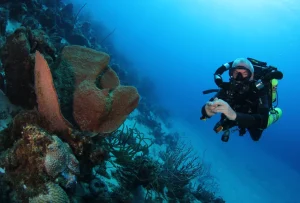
pixel 142 171
pixel 125 145
pixel 182 160
pixel 204 194
pixel 181 165
pixel 130 148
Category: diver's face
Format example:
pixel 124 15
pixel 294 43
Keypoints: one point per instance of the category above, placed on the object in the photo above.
pixel 243 72
pixel 241 78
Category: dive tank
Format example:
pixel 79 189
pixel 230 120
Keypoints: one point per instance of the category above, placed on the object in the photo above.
pixel 274 83
pixel 274 115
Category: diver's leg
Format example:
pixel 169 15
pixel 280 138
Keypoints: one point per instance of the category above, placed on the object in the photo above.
pixel 274 115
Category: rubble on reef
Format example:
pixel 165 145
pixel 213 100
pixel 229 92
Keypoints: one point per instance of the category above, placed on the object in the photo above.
pixel 73 120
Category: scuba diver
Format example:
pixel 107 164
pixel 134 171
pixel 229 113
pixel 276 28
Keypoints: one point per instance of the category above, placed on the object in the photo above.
pixel 246 101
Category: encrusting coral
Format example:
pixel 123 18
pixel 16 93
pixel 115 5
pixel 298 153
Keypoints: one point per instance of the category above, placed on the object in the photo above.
pixel 36 158
pixel 54 194
pixel 59 158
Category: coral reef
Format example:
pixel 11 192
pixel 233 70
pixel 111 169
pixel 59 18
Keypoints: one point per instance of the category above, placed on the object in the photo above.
pixel 38 157
pixel 98 188
pixel 73 127
pixel 3 21
pixel 6 109
pixel 181 165
pixel 17 55
pixel 166 179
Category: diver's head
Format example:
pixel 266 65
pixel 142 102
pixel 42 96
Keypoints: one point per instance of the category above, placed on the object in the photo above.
pixel 241 74
pixel 241 70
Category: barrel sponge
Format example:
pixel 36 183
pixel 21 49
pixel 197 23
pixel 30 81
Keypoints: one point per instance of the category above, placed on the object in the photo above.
pixel 100 108
pixel 47 99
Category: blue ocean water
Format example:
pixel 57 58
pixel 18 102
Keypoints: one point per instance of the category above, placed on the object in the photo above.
pixel 178 44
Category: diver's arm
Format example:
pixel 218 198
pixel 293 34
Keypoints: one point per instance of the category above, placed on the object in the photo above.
pixel 258 120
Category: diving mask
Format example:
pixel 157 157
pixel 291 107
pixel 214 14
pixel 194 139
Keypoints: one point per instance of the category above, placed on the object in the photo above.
pixel 240 84
pixel 239 76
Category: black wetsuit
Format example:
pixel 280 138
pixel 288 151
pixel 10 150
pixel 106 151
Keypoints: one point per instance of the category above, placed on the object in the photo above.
pixel 252 109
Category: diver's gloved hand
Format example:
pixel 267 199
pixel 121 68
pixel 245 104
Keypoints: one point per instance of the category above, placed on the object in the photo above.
pixel 223 107
pixel 210 107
